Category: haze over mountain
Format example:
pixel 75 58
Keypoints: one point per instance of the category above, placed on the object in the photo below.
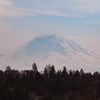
pixel 51 49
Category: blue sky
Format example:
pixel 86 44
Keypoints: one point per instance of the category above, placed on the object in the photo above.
pixel 22 20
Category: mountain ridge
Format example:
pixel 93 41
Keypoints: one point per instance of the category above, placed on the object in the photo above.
pixel 51 49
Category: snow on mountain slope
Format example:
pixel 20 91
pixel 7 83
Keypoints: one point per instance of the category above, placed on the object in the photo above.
pixel 51 49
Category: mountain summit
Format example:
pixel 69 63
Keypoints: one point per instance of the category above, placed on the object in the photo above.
pixel 44 44
pixel 51 49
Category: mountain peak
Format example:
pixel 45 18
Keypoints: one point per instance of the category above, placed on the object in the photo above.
pixel 45 36
pixel 43 44
pixel 51 49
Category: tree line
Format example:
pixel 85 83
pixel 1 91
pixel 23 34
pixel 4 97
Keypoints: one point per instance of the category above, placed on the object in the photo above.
pixel 49 85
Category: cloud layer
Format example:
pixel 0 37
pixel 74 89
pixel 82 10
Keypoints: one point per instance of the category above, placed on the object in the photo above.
pixel 72 8
pixel 8 10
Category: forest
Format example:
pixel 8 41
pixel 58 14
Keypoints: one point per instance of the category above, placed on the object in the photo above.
pixel 49 84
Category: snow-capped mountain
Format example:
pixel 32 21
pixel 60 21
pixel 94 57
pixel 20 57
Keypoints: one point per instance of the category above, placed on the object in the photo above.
pixel 51 49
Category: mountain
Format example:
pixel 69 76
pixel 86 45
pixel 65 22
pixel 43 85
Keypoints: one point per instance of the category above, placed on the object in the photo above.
pixel 51 49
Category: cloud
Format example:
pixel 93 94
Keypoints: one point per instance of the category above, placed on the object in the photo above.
pixel 70 8
pixel 87 6
pixel 12 13
pixel 5 3
pixel 66 8
pixel 8 10
pixel 55 13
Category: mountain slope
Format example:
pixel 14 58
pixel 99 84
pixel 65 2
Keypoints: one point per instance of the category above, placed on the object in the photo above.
pixel 51 49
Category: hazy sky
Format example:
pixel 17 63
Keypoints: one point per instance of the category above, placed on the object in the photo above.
pixel 22 20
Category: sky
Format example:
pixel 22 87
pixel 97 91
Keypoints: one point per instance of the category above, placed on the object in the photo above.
pixel 22 20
